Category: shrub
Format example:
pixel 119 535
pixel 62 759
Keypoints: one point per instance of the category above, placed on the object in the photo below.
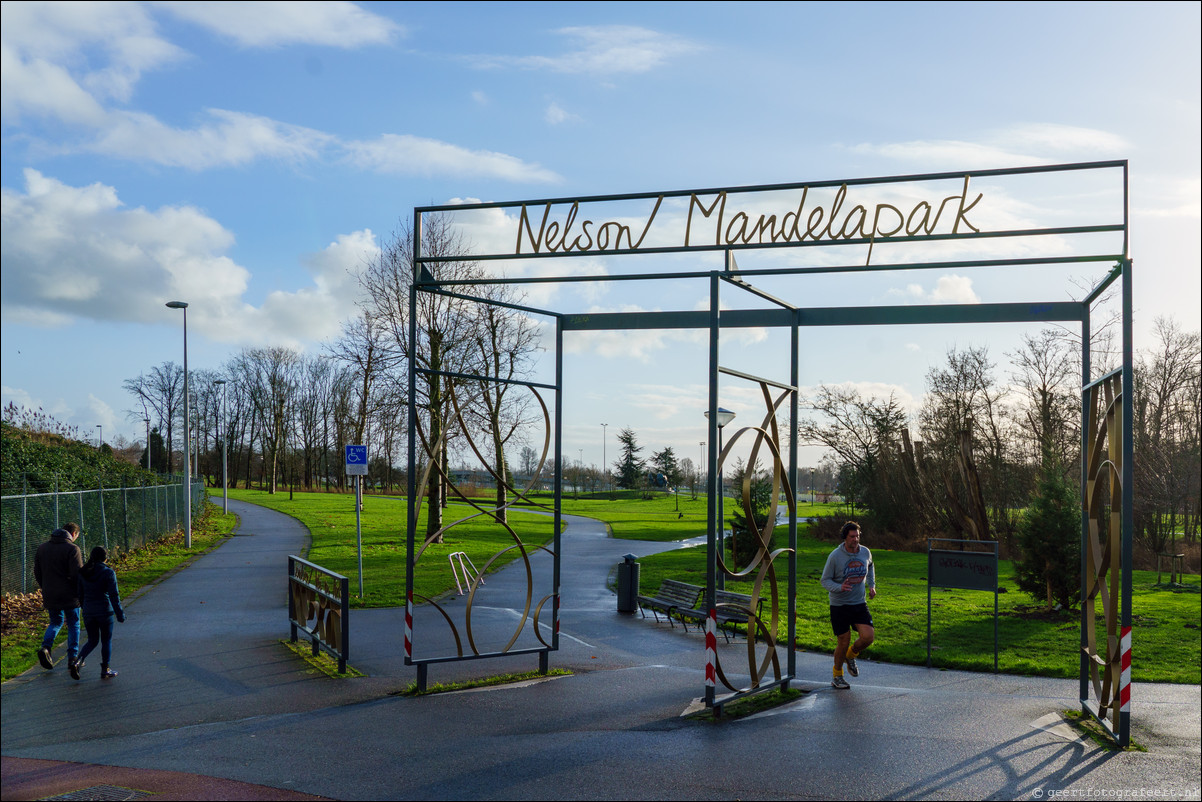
pixel 1048 565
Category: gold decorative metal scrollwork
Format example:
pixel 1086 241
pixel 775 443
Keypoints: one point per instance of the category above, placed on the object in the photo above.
pixel 310 605
pixel 514 496
pixel 760 567
pixel 1103 544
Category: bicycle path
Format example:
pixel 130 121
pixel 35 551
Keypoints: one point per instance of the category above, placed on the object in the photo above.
pixel 208 695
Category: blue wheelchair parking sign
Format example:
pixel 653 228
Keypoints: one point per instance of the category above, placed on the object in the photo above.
pixel 356 460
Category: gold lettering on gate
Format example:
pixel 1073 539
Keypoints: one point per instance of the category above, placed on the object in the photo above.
pixel 709 222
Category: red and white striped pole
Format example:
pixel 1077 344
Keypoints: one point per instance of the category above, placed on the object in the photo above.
pixel 409 627
pixel 1125 676
pixel 711 648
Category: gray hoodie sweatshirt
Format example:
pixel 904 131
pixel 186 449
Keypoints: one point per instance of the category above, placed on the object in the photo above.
pixel 840 566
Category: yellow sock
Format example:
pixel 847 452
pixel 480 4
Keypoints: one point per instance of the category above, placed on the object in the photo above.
pixel 838 672
pixel 852 653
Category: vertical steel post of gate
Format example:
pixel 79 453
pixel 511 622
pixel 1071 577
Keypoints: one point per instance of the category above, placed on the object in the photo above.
pixel 1124 733
pixel 411 478
pixel 794 379
pixel 1128 441
pixel 1086 423
pixel 544 655
pixel 712 489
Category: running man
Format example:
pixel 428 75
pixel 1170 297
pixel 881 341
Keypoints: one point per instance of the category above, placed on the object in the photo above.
pixel 848 576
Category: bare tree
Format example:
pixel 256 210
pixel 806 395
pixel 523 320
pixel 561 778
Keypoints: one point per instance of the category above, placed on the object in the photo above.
pixel 159 397
pixel 445 330
pixel 315 378
pixel 506 341
pixel 1047 373
pixel 964 413
pixel 270 377
pixel 1167 426
pixel 363 349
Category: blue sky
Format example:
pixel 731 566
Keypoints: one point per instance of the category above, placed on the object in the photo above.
pixel 248 157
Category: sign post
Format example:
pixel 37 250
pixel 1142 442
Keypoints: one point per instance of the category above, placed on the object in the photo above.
pixel 356 466
pixel 967 567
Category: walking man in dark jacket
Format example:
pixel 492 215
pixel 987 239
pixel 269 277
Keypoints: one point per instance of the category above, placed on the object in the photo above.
pixel 56 569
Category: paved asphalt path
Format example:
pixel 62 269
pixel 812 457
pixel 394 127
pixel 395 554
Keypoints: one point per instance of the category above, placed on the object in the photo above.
pixel 210 705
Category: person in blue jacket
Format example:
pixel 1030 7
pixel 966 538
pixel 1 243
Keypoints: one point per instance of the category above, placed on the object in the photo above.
pixel 101 603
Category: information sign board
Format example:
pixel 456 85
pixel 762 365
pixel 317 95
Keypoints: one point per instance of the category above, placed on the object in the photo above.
pixel 356 460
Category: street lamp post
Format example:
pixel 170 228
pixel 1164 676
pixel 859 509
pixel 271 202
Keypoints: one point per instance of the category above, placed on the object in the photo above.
pixel 147 443
pixel 187 433
pixel 700 464
pixel 196 444
pixel 604 463
pixel 725 416
pixel 225 485
pixel 101 436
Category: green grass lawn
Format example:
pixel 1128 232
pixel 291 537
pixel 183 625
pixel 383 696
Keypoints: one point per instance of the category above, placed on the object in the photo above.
pixel 1165 631
pixel 330 519
pixel 1166 645
pixel 661 517
pixel 135 569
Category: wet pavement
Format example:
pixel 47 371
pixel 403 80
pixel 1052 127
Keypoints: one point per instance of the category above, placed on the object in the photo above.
pixel 210 704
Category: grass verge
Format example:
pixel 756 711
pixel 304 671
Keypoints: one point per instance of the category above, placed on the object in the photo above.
pixel 321 661
pixel 1089 727
pixel 750 705
pixel 24 619
pixel 483 682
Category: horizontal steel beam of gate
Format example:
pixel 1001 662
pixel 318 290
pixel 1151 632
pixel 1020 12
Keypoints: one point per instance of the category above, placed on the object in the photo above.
pixel 841 316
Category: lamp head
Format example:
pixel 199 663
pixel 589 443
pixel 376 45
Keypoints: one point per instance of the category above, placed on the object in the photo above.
pixel 177 304
pixel 725 416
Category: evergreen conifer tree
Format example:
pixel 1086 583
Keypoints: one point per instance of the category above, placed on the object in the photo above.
pixel 1048 567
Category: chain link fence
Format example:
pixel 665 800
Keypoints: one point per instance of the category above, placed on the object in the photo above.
pixel 119 519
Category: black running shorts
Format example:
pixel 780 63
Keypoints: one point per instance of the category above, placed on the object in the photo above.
pixel 843 616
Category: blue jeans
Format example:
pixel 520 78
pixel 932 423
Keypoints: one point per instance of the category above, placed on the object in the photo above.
pixel 100 630
pixel 71 616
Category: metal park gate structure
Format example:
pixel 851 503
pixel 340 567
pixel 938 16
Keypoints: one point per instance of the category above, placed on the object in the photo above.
pixel 787 235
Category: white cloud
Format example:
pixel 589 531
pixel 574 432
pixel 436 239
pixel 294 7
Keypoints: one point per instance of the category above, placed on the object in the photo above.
pixel 1019 145
pixel 272 24
pixel 78 253
pixel 949 289
pixel 410 155
pixel 556 115
pixel 63 59
pixel 232 139
pixel 954 290
pixel 316 312
pixel 1172 196
pixel 68 62
pixel 603 50
pixel 104 415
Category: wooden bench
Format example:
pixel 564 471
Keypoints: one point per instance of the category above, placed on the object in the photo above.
pixel 671 597
pixel 729 608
